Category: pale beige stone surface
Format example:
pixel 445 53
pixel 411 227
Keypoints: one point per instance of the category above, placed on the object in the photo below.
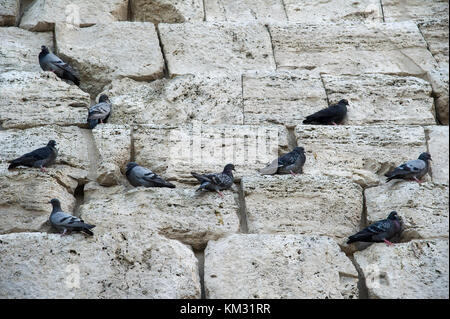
pixel 417 10
pixel 181 213
pixel 19 49
pixel 176 151
pixel 414 270
pixel 303 204
pixel 211 99
pixel 114 265
pixel 23 102
pixel 439 81
pixel 42 15
pixel 98 53
pixel 436 33
pixel 423 208
pixel 113 146
pixel 168 11
pixel 359 152
pixel 382 99
pixel 318 11
pixel 261 266
pixel 285 97
pixel 438 147
pixel 208 47
pixel 9 12
pixel 352 48
pixel 264 11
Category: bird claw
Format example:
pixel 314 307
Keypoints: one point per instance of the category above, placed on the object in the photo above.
pixel 292 173
pixel 220 193
pixel 43 170
pixel 388 243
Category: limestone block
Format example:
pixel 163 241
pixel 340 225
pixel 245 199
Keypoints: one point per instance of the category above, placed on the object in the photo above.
pixel 278 267
pixel 414 270
pixel 23 102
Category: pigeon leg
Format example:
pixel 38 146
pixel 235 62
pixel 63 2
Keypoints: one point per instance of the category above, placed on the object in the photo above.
pixel 388 242
pixel 64 232
pixel 417 180
pixel 43 169
pixel 101 121
pixel 220 193
pixel 333 123
pixel 293 174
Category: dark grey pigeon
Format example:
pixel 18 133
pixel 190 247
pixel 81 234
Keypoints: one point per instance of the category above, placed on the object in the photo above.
pixel 50 62
pixel 216 182
pixel 290 163
pixel 100 112
pixel 380 231
pixel 411 170
pixel 141 176
pixel 44 156
pixel 65 222
pixel 334 114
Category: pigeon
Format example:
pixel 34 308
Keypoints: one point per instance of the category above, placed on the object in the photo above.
pixel 50 62
pixel 44 156
pixel 290 163
pixel 216 182
pixel 334 114
pixel 412 170
pixel 141 176
pixel 380 231
pixel 65 222
pixel 100 112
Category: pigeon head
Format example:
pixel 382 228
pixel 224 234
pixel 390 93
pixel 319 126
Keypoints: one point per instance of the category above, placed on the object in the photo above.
pixel 425 156
pixel 51 143
pixel 299 149
pixel 103 98
pixel 55 202
pixel 343 101
pixel 44 49
pixel 228 168
pixel 131 165
pixel 393 216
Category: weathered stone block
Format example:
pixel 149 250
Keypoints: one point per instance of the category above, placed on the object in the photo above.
pixel 192 48
pixel 276 266
pixel 23 102
pixel 42 15
pixel 167 11
pixel 304 204
pixel 110 266
pixel 414 270
pixel 211 99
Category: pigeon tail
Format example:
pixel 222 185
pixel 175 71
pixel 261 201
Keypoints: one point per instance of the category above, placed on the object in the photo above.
pixel 69 76
pixel 92 123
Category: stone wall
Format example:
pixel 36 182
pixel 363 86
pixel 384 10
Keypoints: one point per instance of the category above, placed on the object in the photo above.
pixel 199 84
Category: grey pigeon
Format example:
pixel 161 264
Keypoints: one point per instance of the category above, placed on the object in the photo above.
pixel 141 176
pixel 412 170
pixel 290 163
pixel 216 182
pixel 334 114
pixel 100 112
pixel 65 222
pixel 380 231
pixel 50 62
pixel 44 156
